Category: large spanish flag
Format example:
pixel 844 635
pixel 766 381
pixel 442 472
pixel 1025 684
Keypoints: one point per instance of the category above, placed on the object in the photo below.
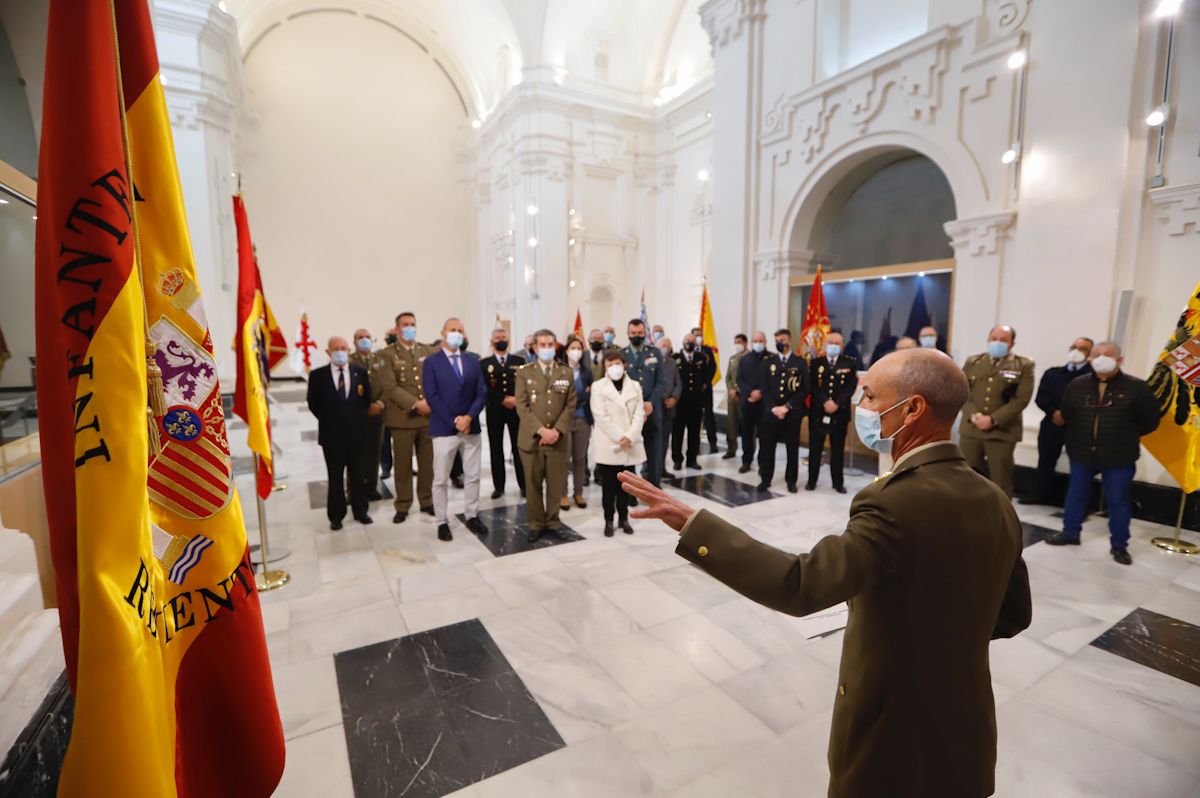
pixel 160 618
pixel 708 329
pixel 260 346
pixel 815 329
pixel 1176 382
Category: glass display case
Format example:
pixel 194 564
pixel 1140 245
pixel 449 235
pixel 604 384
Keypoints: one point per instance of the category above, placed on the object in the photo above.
pixel 18 404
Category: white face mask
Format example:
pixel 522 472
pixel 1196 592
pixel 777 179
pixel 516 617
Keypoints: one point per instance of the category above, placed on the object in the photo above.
pixel 1103 364
pixel 741 348
pixel 1076 356
pixel 615 372
pixel 574 355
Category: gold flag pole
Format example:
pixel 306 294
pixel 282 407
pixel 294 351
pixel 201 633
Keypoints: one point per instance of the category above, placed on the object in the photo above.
pixel 1175 544
pixel 266 580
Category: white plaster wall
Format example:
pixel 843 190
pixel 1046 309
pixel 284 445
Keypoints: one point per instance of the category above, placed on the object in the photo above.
pixel 355 196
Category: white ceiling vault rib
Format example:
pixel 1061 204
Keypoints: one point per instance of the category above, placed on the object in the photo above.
pixel 398 29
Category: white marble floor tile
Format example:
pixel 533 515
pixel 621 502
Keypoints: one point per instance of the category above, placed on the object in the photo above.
pixel 428 583
pixel 648 670
pixel 784 692
pixel 707 646
pixel 644 601
pixel 307 693
pixel 767 771
pixel 614 564
pixel 449 608
pixel 578 696
pixel 694 736
pixel 357 567
pixel 529 635
pixel 763 630
pixel 589 617
pixel 1062 628
pixel 334 598
pixel 533 588
pixel 692 586
pixel 1176 602
pixel 1019 662
pixel 343 631
pixel 317 766
pixel 599 767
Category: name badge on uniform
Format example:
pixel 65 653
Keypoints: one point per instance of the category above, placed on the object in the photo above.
pixel 1010 375
pixel 844 371
pixel 560 386
pixel 650 361
pixel 360 390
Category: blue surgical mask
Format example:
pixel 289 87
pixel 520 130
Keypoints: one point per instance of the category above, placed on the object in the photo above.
pixel 759 347
pixel 364 345
pixel 997 348
pixel 609 337
pixel 869 425
pixel 408 333
pixel 658 336
pixel 546 355
pixel 454 339
pixel 929 341
pixel 833 350
pixel 339 357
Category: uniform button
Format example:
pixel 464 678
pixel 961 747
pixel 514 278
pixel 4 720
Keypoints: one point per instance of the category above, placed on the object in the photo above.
pixel 841 689
pixel 702 551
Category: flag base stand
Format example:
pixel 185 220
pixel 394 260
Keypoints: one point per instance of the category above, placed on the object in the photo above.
pixel 269 580
pixel 278 486
pixel 1175 544
pixel 275 555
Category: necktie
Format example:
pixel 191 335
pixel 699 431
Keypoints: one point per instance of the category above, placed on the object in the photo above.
pixel 342 381
pixel 457 365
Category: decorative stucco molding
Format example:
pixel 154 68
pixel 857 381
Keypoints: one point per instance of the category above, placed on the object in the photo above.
pixel 981 235
pixel 1177 208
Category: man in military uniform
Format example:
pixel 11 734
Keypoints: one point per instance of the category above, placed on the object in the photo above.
pixel 750 371
pixel 1001 387
pixel 710 417
pixel 499 371
pixel 671 397
pixel 545 400
pixel 372 362
pixel 784 389
pixel 643 365
pixel 407 416
pixel 693 367
pixel 931 553
pixel 834 380
pixel 731 397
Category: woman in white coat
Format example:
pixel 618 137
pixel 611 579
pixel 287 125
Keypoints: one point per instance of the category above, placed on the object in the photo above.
pixel 616 445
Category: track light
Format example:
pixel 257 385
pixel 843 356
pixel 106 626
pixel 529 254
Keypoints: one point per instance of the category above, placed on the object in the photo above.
pixel 475 123
pixel 702 175
pixel 1017 59
pixel 533 242
pixel 532 209
pixel 1158 116
pixel 1008 157
pixel 1168 8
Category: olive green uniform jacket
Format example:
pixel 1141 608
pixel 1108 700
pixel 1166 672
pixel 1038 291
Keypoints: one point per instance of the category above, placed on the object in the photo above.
pixel 400 385
pixel 931 566
pixel 1001 389
pixel 543 402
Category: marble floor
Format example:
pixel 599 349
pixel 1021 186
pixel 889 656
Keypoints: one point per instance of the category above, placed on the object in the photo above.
pixel 609 667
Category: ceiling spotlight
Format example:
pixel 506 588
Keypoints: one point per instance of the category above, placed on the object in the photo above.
pixel 885 276
pixel 658 101
pixel 570 242
pixel 533 242
pixel 1168 8
pixel 708 114
pixel 531 210
pixel 475 123
pixel 1008 157
pixel 35 217
pixel 571 212
pixel 702 175
pixel 221 5
pixel 3 201
pixel 559 75
pixel 920 274
pixel 510 232
pixel 1157 117
pixel 1017 59
pixel 572 283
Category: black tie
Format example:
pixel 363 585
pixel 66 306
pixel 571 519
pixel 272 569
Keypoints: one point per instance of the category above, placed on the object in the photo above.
pixel 342 382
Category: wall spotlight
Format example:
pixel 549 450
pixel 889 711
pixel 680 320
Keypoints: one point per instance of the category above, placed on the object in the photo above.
pixel 1158 116
pixel 1017 59
pixel 571 212
pixel 572 284
pixel 702 175
pixel 920 274
pixel 1168 8
pixel 532 209
pixel 510 259
pixel 3 201
pixel 885 276
pixel 1008 157
pixel 570 242
pixel 475 123
pixel 533 242
pixel 224 9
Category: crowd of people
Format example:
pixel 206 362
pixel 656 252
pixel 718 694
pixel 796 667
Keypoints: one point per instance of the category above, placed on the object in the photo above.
pixel 587 409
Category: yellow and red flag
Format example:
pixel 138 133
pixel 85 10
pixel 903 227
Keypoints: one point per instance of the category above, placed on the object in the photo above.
pixel 577 331
pixel 160 618
pixel 1176 382
pixel 709 331
pixel 260 346
pixel 815 329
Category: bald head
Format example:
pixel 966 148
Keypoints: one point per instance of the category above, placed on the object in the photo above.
pixel 935 382
pixel 337 343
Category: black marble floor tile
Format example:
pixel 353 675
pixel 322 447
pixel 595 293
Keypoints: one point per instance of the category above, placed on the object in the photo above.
pixel 434 712
pixel 508 530
pixel 308 435
pixel 1035 533
pixel 31 767
pixel 720 489
pixel 1157 641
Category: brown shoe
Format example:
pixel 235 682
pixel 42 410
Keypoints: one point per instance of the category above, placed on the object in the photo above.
pixel 580 503
pixel 564 503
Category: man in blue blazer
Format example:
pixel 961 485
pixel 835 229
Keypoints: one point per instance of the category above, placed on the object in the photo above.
pixel 456 394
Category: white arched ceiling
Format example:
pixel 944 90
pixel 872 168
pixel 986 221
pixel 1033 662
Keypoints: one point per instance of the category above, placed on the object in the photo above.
pixel 467 38
pixel 687 55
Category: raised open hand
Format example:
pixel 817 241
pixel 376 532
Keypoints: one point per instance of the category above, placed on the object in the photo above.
pixel 654 503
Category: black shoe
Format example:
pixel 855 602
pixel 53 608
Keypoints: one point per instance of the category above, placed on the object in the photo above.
pixel 631 501
pixel 496 494
pixel 534 534
pixel 456 482
pixel 399 517
pixel 669 475
pixel 444 532
pixel 792 487
pixel 764 487
pixel 679 465
pixel 335 525
pixel 627 527
pixel 364 519
pixel 476 526
pixel 1062 539
pixel 427 510
pixel 729 455
pixel 694 465
pixel 384 474
pixel 840 489
pixel 811 486
pixel 1032 500
pixel 1121 556
pixel 608 529
pixel 374 496
pixel 744 469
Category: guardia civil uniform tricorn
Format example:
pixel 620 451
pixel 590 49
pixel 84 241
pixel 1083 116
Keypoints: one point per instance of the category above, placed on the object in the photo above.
pixel 1001 387
pixel 545 394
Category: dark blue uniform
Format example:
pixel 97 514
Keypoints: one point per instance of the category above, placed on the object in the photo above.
pixel 644 365
pixel 749 379
pixel 784 383
pixel 837 380
pixel 695 378
pixel 1051 437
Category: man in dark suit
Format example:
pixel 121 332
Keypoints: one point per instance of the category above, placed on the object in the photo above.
pixel 499 370
pixel 339 395
pixel 695 371
pixel 784 383
pixel 1052 436
pixel 749 385
pixel 930 563
pixel 456 394
pixel 834 380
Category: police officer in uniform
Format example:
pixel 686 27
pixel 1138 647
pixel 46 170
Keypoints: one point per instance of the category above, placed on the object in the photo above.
pixel 732 429
pixel 693 366
pixel 643 366
pixel 834 379
pixel 407 417
pixel 545 399
pixel 710 418
pixel 1001 387
pixel 499 371
pixel 784 388
pixel 371 362
pixel 749 385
